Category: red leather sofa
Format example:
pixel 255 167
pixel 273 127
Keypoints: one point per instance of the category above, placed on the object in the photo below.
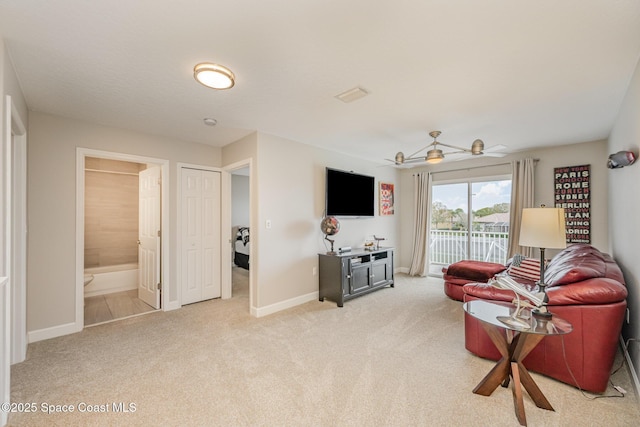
pixel 585 287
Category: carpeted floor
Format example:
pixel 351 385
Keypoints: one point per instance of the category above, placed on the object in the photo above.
pixel 395 357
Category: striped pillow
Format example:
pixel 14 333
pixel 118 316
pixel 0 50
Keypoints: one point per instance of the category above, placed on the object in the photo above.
pixel 525 268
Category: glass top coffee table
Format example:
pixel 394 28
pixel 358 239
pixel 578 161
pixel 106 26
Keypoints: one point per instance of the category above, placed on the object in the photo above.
pixel 522 335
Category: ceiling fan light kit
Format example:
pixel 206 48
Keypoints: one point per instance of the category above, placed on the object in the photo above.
pixel 436 155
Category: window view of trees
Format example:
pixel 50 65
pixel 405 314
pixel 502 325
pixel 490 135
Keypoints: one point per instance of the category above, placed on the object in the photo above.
pixel 443 218
pixel 483 236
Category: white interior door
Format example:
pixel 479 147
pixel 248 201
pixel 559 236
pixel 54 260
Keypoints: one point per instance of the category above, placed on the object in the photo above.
pixel 211 262
pixel 149 237
pixel 200 258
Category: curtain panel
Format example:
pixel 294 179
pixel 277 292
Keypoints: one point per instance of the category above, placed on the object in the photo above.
pixel 422 213
pixel 522 188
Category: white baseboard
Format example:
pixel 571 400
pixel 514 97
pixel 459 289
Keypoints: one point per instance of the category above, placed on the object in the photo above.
pixel 54 332
pixel 404 270
pixel 283 305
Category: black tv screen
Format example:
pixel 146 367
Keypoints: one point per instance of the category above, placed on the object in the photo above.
pixel 349 194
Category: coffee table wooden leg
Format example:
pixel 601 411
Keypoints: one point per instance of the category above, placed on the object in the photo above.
pixel 518 403
pixel 493 379
pixel 532 388
pixel 500 372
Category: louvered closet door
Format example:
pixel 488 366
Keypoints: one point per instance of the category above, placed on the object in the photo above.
pixel 200 260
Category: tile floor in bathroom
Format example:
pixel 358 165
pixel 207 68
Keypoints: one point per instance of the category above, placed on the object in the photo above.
pixel 104 308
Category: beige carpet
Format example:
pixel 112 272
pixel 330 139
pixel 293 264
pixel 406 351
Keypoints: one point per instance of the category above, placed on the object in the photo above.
pixel 395 357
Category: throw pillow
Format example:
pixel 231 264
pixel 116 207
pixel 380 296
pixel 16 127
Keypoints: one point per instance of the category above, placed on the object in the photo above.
pixel 525 268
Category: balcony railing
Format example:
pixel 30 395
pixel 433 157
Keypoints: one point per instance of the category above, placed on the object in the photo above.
pixel 447 246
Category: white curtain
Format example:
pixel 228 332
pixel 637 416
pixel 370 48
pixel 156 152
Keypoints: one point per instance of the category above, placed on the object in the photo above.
pixel 422 214
pixel 522 186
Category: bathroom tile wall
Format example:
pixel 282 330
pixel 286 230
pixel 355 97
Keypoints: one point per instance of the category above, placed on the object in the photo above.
pixel 111 212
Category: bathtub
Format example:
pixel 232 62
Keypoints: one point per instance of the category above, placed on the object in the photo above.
pixel 111 278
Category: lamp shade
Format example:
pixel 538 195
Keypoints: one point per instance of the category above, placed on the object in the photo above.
pixel 543 228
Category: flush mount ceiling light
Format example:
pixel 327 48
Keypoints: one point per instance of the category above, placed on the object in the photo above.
pixel 214 76
pixel 436 155
pixel 210 121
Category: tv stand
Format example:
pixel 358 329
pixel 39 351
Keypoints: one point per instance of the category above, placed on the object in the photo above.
pixel 347 275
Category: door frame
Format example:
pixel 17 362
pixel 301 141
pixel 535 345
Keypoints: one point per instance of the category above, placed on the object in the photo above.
pixel 15 250
pixel 180 226
pixel 167 289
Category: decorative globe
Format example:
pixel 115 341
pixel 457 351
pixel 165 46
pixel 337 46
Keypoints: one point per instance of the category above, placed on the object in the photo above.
pixel 330 225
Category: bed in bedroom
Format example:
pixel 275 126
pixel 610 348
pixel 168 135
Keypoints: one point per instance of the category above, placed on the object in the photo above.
pixel 241 248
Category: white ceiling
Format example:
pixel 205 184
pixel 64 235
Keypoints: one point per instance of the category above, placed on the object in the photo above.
pixel 520 73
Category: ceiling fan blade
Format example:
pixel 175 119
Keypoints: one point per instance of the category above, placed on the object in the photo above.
pixel 495 151
pixel 494 148
pixel 456 157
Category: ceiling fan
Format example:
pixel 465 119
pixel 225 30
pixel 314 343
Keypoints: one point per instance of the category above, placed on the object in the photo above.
pixel 436 155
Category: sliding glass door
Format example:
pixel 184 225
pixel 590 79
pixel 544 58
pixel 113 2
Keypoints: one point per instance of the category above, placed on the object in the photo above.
pixel 469 220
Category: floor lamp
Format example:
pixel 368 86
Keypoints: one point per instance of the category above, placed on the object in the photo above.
pixel 543 228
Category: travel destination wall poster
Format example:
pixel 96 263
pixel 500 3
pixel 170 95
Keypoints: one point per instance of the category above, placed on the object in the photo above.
pixel 572 193
pixel 386 199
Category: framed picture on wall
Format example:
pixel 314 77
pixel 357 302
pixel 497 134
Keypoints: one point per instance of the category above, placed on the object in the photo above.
pixel 386 199
pixel 573 193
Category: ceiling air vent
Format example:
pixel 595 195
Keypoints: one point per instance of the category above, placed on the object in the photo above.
pixel 352 94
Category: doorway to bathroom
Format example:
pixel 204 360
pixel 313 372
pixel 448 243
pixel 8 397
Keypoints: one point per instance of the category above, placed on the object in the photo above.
pixel 122 237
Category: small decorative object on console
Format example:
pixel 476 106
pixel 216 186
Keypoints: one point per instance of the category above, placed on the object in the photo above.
pixel 330 227
pixel 377 239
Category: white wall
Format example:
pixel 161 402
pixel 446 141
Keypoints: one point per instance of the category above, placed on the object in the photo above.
pixel 624 208
pixel 240 200
pixel 52 182
pixel 289 190
pixel 591 153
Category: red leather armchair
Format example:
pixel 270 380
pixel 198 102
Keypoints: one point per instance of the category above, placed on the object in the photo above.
pixel 585 287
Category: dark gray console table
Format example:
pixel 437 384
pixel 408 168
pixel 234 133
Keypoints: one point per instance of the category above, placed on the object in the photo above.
pixel 347 275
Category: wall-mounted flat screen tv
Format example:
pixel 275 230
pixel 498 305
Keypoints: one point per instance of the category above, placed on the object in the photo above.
pixel 349 194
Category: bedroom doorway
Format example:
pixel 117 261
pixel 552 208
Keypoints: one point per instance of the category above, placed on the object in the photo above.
pixel 240 232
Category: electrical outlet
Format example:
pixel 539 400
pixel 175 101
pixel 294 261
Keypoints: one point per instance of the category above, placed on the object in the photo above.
pixel 267 223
